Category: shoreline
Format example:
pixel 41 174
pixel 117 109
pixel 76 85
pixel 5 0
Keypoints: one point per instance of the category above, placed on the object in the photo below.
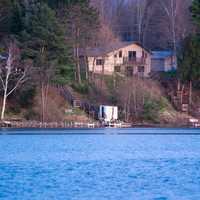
pixel 88 125
pixel 99 131
pixel 63 125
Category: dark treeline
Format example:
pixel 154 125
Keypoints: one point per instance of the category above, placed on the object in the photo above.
pixel 157 24
pixel 49 35
pixel 54 29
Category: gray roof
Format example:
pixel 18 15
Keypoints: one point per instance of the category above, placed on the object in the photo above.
pixel 3 56
pixel 100 51
pixel 161 54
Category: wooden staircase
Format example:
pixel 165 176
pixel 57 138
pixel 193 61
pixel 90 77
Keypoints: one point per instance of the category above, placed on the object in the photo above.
pixel 179 97
pixel 181 100
pixel 73 98
pixel 77 102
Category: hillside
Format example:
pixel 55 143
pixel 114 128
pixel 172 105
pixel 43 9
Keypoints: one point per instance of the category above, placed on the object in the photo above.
pixel 58 109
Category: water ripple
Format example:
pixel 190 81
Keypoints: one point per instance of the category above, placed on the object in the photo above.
pixel 89 167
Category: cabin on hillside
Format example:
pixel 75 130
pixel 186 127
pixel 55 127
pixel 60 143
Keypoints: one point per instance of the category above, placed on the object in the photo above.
pixel 127 58
pixel 163 61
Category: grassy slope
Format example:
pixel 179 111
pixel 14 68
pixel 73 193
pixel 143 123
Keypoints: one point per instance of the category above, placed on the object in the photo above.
pixel 57 109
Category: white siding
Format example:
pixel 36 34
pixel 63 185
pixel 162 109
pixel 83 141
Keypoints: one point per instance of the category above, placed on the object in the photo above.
pixel 111 61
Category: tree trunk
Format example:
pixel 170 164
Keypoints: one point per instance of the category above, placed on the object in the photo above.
pixel 179 85
pixel 93 68
pixel 102 75
pixel 173 23
pixel 4 105
pixel 78 70
pixel 42 102
pixel 190 94
pixel 182 90
pixel 44 98
pixel 86 68
pixel 5 94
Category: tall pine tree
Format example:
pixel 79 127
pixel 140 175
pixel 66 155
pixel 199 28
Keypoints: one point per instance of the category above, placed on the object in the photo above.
pixel 189 58
pixel 195 10
pixel 42 40
pixel 81 23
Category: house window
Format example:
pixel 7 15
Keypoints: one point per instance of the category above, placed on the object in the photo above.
pixel 132 55
pixel 129 71
pixel 115 55
pixel 144 54
pixel 141 69
pixel 120 54
pixel 99 62
pixel 117 68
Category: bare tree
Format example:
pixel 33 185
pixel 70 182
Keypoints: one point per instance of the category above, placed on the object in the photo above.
pixel 171 9
pixel 107 9
pixel 134 93
pixel 178 20
pixel 12 74
pixel 142 7
pixel 81 23
pixel 157 24
pixel 106 40
pixel 44 76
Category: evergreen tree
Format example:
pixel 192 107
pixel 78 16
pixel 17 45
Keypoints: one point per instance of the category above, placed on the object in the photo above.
pixel 42 40
pixel 58 4
pixel 189 59
pixel 5 17
pixel 42 32
pixel 195 10
pixel 81 22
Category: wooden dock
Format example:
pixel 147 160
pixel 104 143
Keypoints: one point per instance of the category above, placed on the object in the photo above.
pixel 35 124
pixel 54 125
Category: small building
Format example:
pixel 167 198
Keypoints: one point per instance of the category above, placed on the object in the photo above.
pixel 163 61
pixel 127 58
pixel 108 113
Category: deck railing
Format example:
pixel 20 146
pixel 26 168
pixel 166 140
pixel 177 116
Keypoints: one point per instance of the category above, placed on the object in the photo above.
pixel 134 61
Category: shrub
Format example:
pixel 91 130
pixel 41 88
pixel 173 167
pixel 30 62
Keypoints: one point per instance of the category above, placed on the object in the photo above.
pixel 170 74
pixel 26 97
pixel 150 110
pixel 15 109
pixel 82 88
pixel 31 115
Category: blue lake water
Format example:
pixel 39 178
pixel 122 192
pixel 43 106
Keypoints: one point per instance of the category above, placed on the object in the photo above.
pixel 74 165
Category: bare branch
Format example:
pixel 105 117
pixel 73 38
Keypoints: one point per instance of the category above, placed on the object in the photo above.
pixel 2 82
pixel 11 74
pixel 20 81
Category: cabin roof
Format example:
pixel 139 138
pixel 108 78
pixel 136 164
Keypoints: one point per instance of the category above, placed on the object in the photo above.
pixel 161 54
pixel 100 51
